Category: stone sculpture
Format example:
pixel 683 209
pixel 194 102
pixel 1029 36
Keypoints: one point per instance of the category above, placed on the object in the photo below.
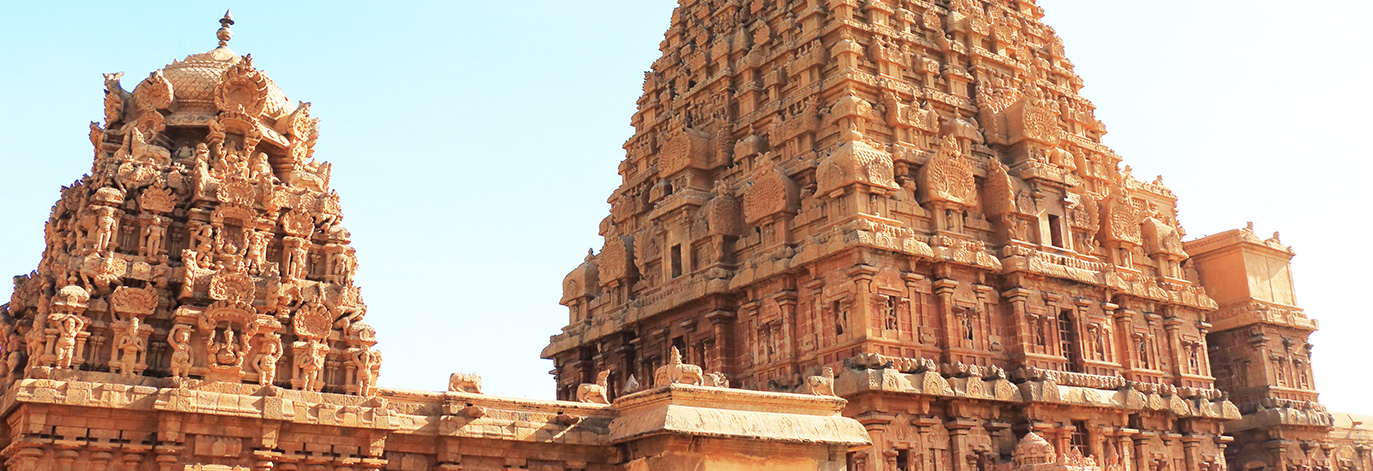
pixel 595 393
pixel 676 372
pixel 465 383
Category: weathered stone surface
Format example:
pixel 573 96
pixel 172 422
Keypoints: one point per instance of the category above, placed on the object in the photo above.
pixel 195 310
pixel 933 230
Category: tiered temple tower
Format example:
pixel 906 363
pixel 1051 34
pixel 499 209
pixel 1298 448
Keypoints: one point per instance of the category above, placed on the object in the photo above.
pixel 205 245
pixel 195 310
pixel 913 194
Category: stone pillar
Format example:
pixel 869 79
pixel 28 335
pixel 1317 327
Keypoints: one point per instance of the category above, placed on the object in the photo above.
pixel 862 276
pixel 1127 449
pixel 1277 449
pixel 1189 452
pixel 913 313
pixel 922 425
pixel 876 425
pixel 1124 332
pixel 1142 450
pixel 944 289
pixel 132 460
pixel 816 289
pixel 959 446
pixel 1172 325
pixel 786 301
pixel 1024 335
pixel 66 457
pixel 100 460
pixel 720 321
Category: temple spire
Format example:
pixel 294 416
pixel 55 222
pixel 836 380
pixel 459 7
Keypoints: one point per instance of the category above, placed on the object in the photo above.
pixel 224 33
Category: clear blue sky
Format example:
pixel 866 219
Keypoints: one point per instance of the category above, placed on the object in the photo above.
pixel 475 143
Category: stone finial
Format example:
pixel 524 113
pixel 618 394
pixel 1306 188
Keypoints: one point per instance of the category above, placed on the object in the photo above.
pixel 225 34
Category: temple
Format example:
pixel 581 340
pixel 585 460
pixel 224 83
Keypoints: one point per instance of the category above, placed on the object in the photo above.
pixel 869 235
pixel 908 204
pixel 194 309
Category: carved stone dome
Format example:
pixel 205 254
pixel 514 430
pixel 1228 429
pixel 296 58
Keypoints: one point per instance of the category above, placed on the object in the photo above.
pixel 71 297
pixel 1033 450
pixel 194 81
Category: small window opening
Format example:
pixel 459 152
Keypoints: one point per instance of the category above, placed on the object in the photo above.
pixel 1055 231
pixel 1067 338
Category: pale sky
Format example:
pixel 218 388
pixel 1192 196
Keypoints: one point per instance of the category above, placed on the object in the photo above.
pixel 475 143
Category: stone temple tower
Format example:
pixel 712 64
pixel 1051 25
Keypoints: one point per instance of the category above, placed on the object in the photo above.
pixel 914 195
pixel 204 246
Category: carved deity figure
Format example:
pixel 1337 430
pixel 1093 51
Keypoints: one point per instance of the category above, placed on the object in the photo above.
pixel 226 352
pixel 106 226
pixel 14 344
pixel 257 251
pixel 344 265
pixel 33 340
pixel 259 169
pixel 310 363
pixel 266 362
pixel 67 329
pixel 202 238
pixel 130 347
pixel 368 363
pixel 154 232
pixel 296 256
pixel 180 341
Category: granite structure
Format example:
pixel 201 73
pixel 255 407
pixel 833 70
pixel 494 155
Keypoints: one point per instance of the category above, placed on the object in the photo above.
pixel 907 203
pixel 195 310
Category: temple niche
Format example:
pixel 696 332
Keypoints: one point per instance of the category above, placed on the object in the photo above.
pixel 204 246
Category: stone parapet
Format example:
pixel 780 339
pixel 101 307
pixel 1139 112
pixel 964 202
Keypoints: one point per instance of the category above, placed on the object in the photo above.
pixel 92 418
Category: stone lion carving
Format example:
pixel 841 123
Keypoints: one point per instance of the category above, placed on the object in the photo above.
pixel 465 383
pixel 676 372
pixel 595 393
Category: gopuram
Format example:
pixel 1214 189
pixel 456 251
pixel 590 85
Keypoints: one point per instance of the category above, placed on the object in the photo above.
pixel 195 310
pixel 907 203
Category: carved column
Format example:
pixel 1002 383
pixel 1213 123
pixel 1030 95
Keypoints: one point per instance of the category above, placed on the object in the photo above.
pixel 1024 335
pixel 65 458
pixel 1189 452
pixel 720 323
pixel 1278 450
pixel 1142 450
pixel 959 446
pixel 1172 325
pixel 1127 449
pixel 922 427
pixel 100 460
pixel 786 302
pixel 1124 330
pixel 132 460
pixel 913 313
pixel 816 288
pixel 862 276
pixel 944 290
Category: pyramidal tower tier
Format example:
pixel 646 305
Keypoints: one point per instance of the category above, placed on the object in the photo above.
pixel 205 245
pixel 913 194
